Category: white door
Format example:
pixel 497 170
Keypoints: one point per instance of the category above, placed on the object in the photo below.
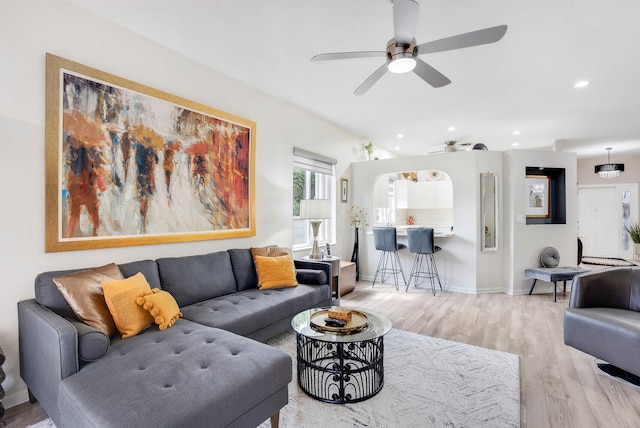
pixel 598 221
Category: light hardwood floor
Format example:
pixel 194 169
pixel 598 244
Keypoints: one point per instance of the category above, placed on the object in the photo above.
pixel 560 386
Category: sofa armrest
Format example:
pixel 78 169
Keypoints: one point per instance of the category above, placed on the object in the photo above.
pixel 610 288
pixel 48 346
pixel 306 264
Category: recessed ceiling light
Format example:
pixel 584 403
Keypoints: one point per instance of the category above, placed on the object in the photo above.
pixel 514 144
pixel 451 128
pixel 400 135
pixel 581 84
pixel 516 133
pixel 397 148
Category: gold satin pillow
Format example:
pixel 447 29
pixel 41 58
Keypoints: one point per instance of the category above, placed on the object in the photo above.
pixel 275 272
pixel 83 292
pixel 121 296
pixel 272 251
pixel 162 307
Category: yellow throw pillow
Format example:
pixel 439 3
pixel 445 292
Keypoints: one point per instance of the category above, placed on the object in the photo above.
pixel 275 272
pixel 162 307
pixel 121 296
pixel 83 292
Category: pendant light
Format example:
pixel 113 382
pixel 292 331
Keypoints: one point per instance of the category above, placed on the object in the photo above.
pixel 609 170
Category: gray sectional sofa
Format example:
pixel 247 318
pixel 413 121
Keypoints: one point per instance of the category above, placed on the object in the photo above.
pixel 603 317
pixel 209 369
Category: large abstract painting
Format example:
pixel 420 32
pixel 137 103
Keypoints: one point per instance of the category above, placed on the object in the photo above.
pixel 131 165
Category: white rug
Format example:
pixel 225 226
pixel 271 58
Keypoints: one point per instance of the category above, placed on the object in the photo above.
pixel 428 382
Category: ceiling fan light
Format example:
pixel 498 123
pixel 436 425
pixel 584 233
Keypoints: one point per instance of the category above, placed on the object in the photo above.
pixel 402 65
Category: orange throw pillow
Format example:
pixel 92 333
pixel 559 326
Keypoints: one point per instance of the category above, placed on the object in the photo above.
pixel 162 307
pixel 121 296
pixel 275 272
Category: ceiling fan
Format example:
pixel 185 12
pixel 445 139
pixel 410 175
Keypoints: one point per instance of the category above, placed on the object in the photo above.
pixel 402 51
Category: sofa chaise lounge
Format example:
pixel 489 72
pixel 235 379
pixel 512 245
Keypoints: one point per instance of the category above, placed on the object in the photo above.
pixel 603 317
pixel 209 369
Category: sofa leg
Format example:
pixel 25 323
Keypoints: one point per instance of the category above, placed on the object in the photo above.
pixel 32 398
pixel 275 419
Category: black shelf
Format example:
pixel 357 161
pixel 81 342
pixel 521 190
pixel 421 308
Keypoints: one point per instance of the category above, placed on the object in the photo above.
pixel 557 195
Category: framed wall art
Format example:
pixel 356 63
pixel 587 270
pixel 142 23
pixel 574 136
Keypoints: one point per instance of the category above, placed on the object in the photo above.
pixel 537 196
pixel 127 164
pixel 344 190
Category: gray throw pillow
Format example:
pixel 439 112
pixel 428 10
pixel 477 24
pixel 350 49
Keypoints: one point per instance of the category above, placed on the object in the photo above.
pixel 549 258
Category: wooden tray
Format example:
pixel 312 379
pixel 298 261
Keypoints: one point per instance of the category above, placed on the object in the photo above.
pixel 359 321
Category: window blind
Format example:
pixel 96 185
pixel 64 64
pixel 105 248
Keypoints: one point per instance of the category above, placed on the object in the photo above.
pixel 304 159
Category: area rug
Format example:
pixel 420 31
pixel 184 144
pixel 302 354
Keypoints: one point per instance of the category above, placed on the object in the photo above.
pixel 428 382
pixel 606 261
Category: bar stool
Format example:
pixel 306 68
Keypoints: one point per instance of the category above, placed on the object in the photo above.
pixel 385 240
pixel 424 265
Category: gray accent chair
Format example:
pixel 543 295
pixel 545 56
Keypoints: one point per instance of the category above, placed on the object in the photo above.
pixel 603 317
pixel 208 370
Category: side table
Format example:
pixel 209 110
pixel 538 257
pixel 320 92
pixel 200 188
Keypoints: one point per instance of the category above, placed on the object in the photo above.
pixel 335 273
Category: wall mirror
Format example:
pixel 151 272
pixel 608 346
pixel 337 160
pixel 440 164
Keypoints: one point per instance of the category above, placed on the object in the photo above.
pixel 489 195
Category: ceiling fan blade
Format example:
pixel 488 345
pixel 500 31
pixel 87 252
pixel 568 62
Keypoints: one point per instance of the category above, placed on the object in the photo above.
pixel 347 55
pixel 371 80
pixel 430 74
pixel 465 40
pixel 405 19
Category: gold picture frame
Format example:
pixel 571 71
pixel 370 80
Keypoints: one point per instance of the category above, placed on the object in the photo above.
pixel 537 196
pixel 128 165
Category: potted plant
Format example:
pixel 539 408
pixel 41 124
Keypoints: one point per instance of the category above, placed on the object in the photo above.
pixel 368 148
pixel 634 232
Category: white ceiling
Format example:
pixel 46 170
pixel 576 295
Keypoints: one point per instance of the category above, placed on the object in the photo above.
pixel 523 82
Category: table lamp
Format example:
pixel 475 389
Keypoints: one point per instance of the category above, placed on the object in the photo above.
pixel 314 210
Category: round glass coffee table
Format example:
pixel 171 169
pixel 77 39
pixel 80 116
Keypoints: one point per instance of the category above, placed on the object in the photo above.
pixel 340 365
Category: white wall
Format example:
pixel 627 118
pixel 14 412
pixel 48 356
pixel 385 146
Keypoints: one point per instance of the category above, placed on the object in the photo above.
pixel 525 242
pixel 30 28
pixel 457 262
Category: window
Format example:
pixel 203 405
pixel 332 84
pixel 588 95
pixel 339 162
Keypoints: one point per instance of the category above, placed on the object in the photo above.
pixel 313 178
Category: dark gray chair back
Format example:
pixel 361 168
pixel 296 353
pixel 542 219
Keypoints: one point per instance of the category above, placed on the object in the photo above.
pixel 421 240
pixel 385 238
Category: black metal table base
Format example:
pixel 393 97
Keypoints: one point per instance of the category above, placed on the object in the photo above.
pixel 340 372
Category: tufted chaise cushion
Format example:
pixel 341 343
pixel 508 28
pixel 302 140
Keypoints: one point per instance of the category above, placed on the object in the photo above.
pixel 155 368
